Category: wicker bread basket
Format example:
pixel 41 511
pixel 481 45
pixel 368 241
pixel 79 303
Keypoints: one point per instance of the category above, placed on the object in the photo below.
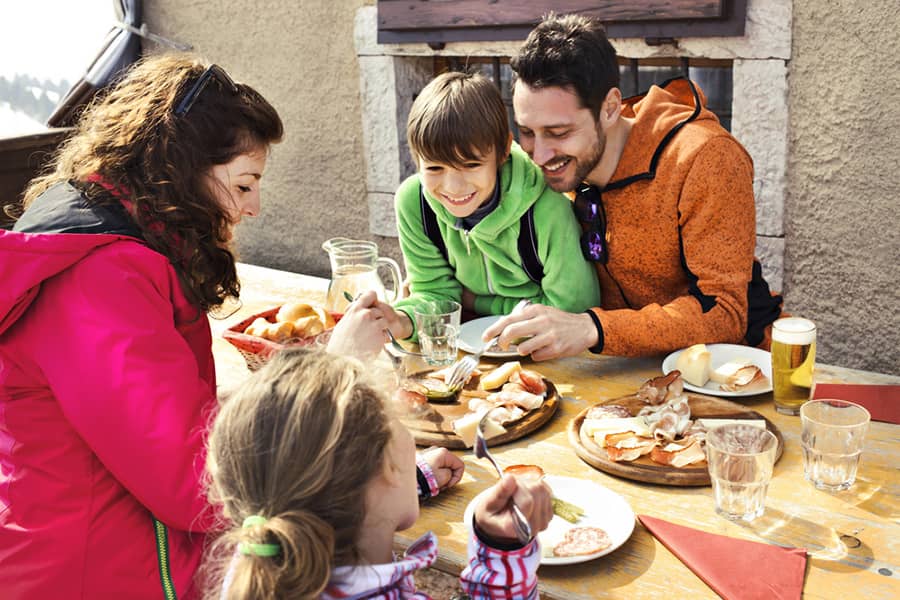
pixel 256 350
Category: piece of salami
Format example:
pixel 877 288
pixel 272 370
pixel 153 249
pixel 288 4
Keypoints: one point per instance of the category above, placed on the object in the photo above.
pixel 582 540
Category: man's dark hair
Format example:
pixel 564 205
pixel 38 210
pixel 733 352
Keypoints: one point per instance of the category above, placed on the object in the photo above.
pixel 569 51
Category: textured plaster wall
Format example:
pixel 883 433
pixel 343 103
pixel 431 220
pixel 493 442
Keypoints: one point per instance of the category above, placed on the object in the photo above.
pixel 300 56
pixel 842 231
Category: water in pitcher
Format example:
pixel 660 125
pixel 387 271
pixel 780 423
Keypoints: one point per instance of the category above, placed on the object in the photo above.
pixel 352 280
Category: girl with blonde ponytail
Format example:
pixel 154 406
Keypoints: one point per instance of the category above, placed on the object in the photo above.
pixel 315 475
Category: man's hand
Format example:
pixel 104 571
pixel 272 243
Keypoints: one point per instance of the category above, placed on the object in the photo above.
pixel 361 331
pixel 494 513
pixel 552 333
pixel 446 466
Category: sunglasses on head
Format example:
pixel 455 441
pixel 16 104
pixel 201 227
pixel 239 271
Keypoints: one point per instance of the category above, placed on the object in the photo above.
pixel 589 210
pixel 211 72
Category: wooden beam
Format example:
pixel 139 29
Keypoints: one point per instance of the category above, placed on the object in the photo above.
pixel 402 15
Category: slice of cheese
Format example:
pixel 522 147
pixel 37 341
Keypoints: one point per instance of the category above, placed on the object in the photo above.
pixel 500 375
pixel 693 363
pixel 721 373
pixel 604 427
pixel 710 423
pixel 466 425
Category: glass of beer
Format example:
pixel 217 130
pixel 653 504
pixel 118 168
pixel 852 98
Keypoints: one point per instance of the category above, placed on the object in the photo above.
pixel 793 358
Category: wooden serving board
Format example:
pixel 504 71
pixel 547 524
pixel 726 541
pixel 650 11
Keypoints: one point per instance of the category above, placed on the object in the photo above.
pixel 644 469
pixel 435 426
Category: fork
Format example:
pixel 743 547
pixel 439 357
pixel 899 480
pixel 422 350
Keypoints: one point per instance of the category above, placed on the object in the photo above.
pixel 394 343
pixel 465 366
pixel 523 529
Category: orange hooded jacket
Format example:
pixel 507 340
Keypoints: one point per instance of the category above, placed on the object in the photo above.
pixel 681 233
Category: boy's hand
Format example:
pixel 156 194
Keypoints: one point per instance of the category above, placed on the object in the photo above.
pixel 494 513
pixel 446 466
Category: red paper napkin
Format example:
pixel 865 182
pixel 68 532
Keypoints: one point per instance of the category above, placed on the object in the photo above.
pixel 882 401
pixel 733 568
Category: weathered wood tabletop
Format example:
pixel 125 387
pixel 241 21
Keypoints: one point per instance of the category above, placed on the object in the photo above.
pixel 852 537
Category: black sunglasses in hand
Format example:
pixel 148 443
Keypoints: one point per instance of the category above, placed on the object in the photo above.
pixel 212 72
pixel 589 210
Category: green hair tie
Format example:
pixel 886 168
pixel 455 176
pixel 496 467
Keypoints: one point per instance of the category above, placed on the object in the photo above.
pixel 249 548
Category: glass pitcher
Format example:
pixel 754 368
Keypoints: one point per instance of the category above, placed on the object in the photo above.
pixel 355 267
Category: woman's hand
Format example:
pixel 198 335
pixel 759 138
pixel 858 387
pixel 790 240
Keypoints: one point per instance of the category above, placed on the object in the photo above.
pixel 446 466
pixel 493 515
pixel 361 331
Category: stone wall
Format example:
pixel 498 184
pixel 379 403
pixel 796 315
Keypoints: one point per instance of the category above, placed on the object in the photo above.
pixel 826 176
pixel 842 230
pixel 300 56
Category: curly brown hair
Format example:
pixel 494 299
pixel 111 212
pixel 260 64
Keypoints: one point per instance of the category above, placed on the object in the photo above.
pixel 130 137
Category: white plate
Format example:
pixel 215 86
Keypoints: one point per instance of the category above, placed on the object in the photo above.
pixel 721 354
pixel 470 337
pixel 603 508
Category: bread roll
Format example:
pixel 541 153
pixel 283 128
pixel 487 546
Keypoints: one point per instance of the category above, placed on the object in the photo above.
pixel 257 327
pixel 293 311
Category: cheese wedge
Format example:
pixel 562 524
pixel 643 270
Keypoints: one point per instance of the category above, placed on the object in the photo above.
pixel 693 363
pixel 500 375
pixel 466 425
pixel 600 428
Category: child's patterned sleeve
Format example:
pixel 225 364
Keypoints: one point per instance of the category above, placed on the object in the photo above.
pixel 427 486
pixel 501 575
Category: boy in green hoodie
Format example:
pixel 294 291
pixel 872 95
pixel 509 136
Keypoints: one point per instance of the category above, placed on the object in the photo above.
pixel 481 188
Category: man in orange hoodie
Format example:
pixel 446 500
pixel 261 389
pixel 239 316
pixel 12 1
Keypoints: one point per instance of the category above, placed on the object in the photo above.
pixel 664 194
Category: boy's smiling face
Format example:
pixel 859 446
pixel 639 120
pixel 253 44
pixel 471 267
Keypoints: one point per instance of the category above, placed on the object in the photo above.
pixel 461 188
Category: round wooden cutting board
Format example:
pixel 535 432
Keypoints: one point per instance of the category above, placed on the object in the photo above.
pixel 644 469
pixel 434 427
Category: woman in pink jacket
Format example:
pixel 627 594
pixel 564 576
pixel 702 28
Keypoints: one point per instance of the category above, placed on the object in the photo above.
pixel 107 380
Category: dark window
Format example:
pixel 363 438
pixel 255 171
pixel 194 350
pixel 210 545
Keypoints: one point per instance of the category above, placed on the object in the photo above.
pixel 636 77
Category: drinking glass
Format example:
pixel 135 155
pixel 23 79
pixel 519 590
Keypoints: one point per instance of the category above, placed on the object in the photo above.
pixel 437 323
pixel 832 439
pixel 793 358
pixel 741 459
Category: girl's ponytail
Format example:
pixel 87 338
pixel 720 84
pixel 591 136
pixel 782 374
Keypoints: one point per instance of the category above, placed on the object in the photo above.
pixel 286 556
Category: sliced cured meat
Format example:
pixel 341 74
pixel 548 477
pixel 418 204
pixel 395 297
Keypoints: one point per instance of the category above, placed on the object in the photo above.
pixel 627 446
pixel 662 389
pixel 579 541
pixel 520 398
pixel 610 411
pixel 531 381
pixel 746 379
pixel 525 471
pixel 506 414
pixel 678 455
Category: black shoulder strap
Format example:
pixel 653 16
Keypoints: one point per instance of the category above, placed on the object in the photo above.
pixel 527 238
pixel 528 247
pixel 429 222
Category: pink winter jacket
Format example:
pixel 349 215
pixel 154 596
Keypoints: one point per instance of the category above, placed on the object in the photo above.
pixel 106 384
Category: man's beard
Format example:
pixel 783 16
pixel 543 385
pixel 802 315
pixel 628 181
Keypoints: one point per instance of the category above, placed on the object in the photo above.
pixel 584 167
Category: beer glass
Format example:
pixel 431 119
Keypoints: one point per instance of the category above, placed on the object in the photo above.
pixel 793 358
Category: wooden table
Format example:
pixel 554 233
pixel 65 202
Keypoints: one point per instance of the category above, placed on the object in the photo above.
pixel 853 537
